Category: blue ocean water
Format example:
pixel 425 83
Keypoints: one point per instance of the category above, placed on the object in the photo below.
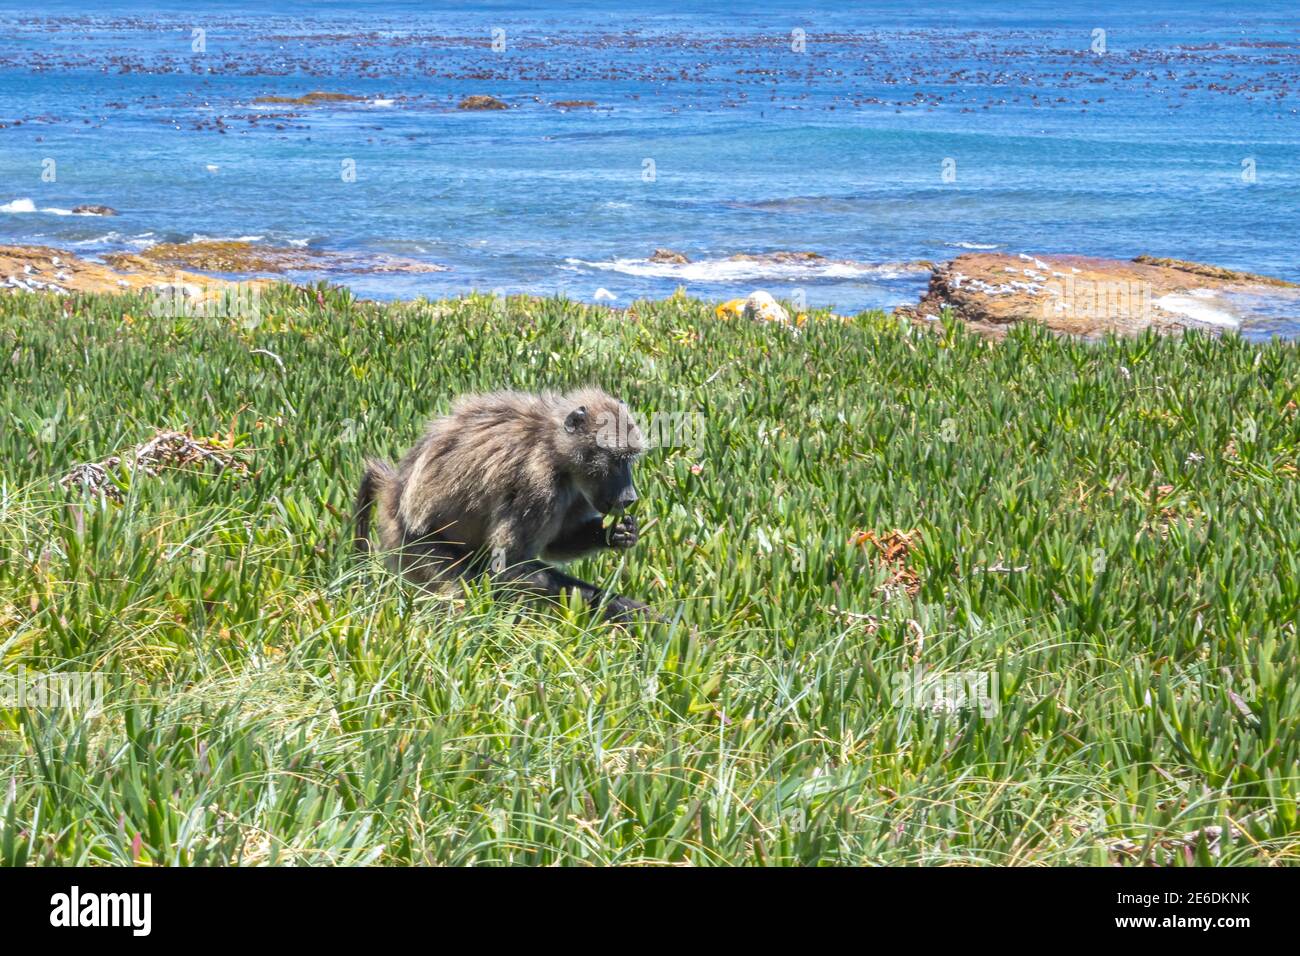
pixel 872 134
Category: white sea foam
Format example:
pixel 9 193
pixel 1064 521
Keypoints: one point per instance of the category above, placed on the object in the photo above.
pixel 107 239
pixel 974 245
pixel 733 270
pixel 115 238
pixel 199 237
pixel 1199 305
pixel 26 205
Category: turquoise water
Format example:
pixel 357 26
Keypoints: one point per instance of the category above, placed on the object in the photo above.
pixel 1050 145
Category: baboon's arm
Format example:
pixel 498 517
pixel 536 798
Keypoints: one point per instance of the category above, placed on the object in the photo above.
pixel 580 535
pixel 584 532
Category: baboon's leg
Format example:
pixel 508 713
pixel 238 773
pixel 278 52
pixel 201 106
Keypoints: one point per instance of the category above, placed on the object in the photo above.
pixel 375 485
pixel 544 580
pixel 431 563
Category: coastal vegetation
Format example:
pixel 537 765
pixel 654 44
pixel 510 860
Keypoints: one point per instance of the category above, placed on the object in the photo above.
pixel 931 598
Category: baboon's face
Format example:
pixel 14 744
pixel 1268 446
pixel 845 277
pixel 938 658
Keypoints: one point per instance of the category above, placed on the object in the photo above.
pixel 606 445
pixel 609 486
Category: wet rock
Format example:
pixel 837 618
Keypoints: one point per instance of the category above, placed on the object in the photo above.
pixel 310 99
pixel 248 257
pixel 815 260
pixel 1231 276
pixel 778 258
pixel 575 104
pixel 381 264
pixel 669 256
pixel 93 210
pixel 217 256
pixel 481 102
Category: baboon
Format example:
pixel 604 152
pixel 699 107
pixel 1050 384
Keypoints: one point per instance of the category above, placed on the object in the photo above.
pixel 505 479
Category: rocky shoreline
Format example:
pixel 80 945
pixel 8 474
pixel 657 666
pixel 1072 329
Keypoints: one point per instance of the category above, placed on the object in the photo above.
pixel 49 270
pixel 202 267
pixel 988 292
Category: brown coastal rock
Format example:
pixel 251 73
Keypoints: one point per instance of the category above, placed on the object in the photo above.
pixel 179 266
pixel 44 269
pixel 1088 297
pixel 670 256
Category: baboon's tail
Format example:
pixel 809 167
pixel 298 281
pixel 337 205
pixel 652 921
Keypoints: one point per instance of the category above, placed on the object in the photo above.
pixel 377 477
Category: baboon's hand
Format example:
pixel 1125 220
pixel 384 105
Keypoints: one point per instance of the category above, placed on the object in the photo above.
pixel 624 610
pixel 623 533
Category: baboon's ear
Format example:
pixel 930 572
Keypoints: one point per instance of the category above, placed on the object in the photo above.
pixel 575 419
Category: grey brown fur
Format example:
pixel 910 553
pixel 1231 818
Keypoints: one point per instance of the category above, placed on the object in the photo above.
pixel 503 480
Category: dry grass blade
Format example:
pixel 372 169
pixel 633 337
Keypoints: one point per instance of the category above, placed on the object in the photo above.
pixel 166 449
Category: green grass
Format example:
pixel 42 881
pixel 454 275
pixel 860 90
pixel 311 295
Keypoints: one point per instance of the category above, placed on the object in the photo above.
pixel 271 701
